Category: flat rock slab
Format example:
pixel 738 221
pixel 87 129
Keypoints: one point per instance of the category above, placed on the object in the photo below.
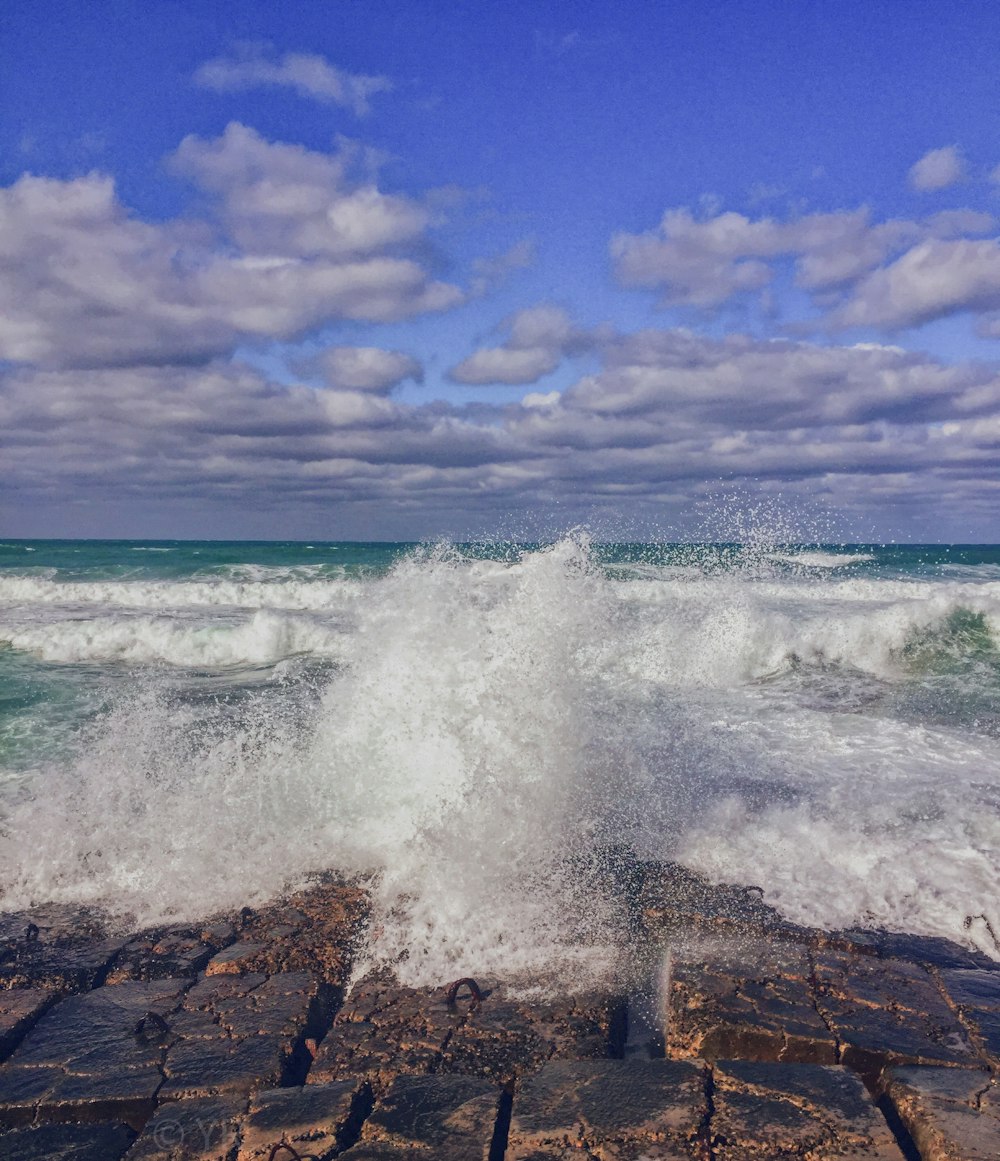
pixel 95 1057
pixel 808 1111
pixel 610 1109
pixel 385 1030
pixel 19 1012
pixel 976 995
pixel 757 1005
pixel 233 1034
pixel 168 953
pixel 202 1129
pixel 450 1117
pixel 952 1114
pixel 67 1143
pixel 317 1119
pixel 888 1011
pixel 929 950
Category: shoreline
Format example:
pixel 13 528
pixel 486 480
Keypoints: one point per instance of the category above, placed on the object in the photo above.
pixel 737 1033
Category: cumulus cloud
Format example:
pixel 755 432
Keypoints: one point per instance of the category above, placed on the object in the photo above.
pixel 667 411
pixel 307 74
pixel 294 243
pixel 938 169
pixel 537 341
pixel 368 368
pixel 896 273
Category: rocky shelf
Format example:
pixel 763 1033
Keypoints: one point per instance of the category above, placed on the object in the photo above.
pixel 241 1040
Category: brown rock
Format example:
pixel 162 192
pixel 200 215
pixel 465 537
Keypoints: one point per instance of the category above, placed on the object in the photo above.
pixel 952 1114
pixel 610 1109
pixel 317 1120
pixel 434 1116
pixel 202 1129
pixel 809 1111
pixel 755 1005
pixel 886 1011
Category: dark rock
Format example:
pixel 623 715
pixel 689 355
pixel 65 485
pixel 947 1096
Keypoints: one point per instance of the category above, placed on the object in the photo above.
pixel 318 1120
pixel 756 1005
pixel 610 1108
pixel 19 1011
pixel 769 1110
pixel 887 1011
pixel 237 1033
pixel 929 950
pixel 976 994
pixel 67 1143
pixel 57 948
pixel 952 1114
pixel 202 1129
pixel 436 1117
pixel 166 953
pixel 236 959
pixel 84 1060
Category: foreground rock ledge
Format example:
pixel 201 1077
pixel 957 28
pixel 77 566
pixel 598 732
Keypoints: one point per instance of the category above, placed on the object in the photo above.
pixel 239 1039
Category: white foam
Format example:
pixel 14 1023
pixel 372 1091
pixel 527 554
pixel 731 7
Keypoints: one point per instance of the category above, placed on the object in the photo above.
pixel 490 726
pixel 821 559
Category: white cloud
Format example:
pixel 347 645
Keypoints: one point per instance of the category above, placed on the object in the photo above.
pixel 307 74
pixel 296 244
pixel 667 411
pixel 537 341
pixel 938 169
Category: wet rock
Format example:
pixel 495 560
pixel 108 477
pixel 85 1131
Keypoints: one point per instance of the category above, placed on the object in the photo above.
pixel 62 949
pixel 756 1004
pixel 929 950
pixel 504 1038
pixel 19 1011
pixel 952 1114
pixel 67 1143
pixel 317 1119
pixel 976 995
pixel 886 1011
pixel 673 898
pixel 432 1116
pixel 384 1031
pixel 808 1111
pixel 95 1057
pixel 316 930
pixel 167 953
pixel 236 959
pixel 233 1034
pixel 610 1109
pixel 202 1129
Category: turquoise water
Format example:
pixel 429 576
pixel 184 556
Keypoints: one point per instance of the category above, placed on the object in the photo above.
pixel 188 725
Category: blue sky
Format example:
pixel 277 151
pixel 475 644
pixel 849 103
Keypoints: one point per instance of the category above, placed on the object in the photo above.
pixel 394 270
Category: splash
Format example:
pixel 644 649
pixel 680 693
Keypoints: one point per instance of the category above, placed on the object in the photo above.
pixel 495 721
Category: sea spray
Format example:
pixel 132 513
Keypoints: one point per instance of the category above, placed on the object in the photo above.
pixel 470 728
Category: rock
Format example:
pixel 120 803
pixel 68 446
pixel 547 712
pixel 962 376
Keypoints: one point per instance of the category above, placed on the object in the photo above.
pixel 95 1057
pixel 434 1116
pixel 930 950
pixel 235 959
pixel 19 1011
pixel 756 1005
pixel 233 1034
pixel 952 1114
pixel 202 1129
pixel 315 930
pixel 67 1143
pixel 809 1111
pixel 610 1108
pixel 317 1119
pixel 166 953
pixel 976 994
pixel 61 949
pixel 886 1011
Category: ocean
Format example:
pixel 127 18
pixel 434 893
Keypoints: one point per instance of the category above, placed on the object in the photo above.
pixel 187 727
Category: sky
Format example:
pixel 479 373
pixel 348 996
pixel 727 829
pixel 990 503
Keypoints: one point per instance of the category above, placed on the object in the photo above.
pixel 393 271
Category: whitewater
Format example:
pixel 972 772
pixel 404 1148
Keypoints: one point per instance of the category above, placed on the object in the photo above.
pixel 190 727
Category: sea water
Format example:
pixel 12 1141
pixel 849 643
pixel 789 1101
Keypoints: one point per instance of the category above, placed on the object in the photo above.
pixel 192 726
